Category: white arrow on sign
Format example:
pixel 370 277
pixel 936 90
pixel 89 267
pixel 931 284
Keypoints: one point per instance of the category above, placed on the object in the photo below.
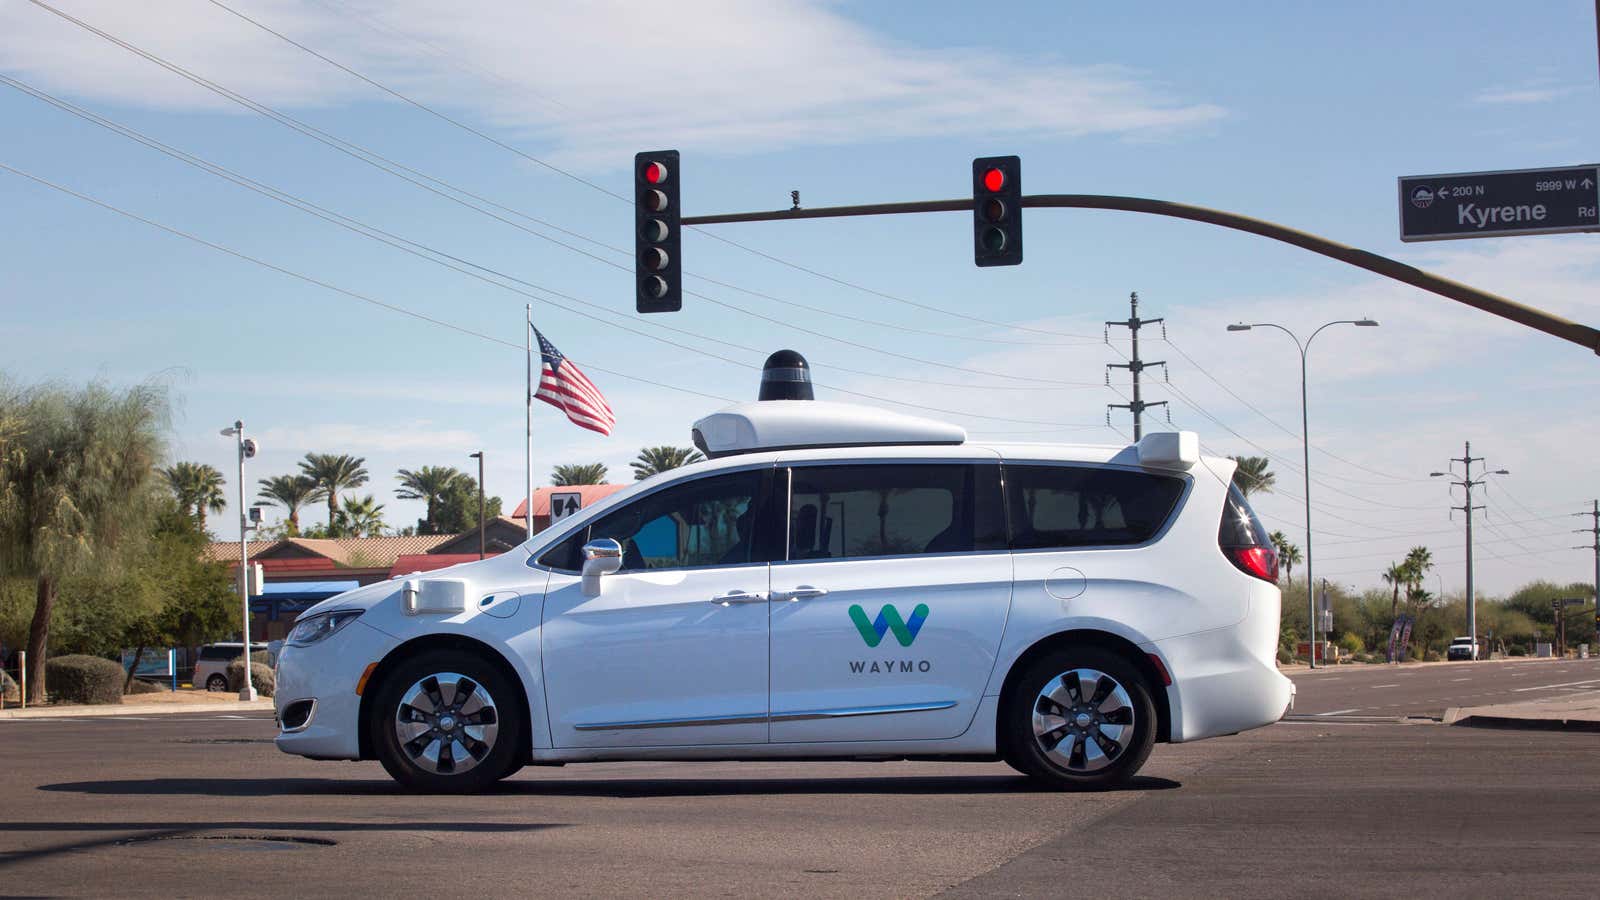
pixel 1588 182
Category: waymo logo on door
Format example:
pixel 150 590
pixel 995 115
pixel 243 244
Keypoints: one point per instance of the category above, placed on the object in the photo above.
pixel 873 630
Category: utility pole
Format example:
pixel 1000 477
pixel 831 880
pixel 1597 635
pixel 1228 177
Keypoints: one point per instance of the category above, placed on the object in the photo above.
pixel 246 449
pixel 1594 529
pixel 1468 483
pixel 1134 365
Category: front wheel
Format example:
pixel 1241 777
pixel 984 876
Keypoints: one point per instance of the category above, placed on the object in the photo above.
pixel 216 684
pixel 447 721
pixel 1080 719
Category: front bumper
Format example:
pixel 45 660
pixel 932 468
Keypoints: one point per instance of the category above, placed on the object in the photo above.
pixel 327 673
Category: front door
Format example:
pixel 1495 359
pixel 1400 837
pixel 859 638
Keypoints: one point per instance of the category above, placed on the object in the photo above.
pixel 889 609
pixel 674 650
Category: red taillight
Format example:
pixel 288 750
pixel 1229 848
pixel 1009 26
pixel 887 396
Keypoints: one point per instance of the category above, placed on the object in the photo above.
pixel 1262 562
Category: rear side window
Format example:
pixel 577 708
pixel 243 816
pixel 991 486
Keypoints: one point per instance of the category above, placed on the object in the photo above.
pixel 844 512
pixel 1086 506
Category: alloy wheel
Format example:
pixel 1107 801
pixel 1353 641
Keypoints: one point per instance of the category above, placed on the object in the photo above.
pixel 446 723
pixel 1083 720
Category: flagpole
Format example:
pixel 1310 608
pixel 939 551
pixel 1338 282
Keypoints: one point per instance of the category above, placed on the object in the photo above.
pixel 527 336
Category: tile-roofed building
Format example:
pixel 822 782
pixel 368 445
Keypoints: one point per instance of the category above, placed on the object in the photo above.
pixel 588 495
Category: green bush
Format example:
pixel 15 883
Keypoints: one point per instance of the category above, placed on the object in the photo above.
pixel 1352 643
pixel 260 676
pixel 83 679
pixel 8 688
pixel 1284 656
pixel 140 686
pixel 1518 650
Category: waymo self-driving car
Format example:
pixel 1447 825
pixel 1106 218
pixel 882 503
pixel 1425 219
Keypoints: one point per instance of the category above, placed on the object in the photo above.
pixel 834 581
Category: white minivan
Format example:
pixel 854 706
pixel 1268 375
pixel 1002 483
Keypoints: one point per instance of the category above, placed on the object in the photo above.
pixel 834 581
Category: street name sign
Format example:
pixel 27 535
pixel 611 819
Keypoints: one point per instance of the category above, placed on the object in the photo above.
pixel 1499 204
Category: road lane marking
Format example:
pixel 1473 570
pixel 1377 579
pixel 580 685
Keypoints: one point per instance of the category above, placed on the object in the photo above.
pixel 1340 712
pixel 1551 687
pixel 1376 686
pixel 1452 680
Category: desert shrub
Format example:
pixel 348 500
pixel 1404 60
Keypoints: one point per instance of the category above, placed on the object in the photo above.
pixel 140 686
pixel 83 679
pixel 1352 644
pixel 1517 650
pixel 263 657
pixel 8 688
pixel 1284 656
pixel 260 676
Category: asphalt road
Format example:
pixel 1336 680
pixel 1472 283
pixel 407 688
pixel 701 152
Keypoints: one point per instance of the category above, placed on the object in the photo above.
pixel 188 805
pixel 1428 690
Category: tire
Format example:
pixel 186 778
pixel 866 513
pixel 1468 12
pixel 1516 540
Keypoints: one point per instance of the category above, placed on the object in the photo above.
pixel 217 684
pixel 1054 732
pixel 447 721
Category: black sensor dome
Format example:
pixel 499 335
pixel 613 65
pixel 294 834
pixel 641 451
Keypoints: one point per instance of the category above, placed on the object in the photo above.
pixel 786 376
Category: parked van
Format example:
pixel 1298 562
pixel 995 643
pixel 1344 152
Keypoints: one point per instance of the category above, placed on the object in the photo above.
pixel 834 581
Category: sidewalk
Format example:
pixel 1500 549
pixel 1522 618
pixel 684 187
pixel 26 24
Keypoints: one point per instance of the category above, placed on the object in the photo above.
pixel 141 707
pixel 1577 712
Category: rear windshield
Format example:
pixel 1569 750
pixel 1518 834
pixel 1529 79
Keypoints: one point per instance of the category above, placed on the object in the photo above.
pixel 1240 527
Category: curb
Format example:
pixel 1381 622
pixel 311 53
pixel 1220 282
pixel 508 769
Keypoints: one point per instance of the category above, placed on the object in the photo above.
pixel 134 709
pixel 1454 716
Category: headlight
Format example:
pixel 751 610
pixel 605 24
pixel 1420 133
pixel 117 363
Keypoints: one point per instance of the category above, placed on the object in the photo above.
pixel 312 629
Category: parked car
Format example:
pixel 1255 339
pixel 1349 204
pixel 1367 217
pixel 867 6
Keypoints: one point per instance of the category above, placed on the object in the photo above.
pixel 211 664
pixel 833 581
pixel 1462 648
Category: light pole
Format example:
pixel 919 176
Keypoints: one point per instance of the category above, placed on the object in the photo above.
pixel 479 457
pixel 247 448
pixel 1467 459
pixel 1305 444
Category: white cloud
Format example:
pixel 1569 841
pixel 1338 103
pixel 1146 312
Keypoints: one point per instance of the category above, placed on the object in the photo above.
pixel 353 438
pixel 1542 90
pixel 589 78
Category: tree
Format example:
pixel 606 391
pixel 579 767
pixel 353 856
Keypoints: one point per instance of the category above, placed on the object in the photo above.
pixel 1289 555
pixel 458 510
pixel 331 474
pixel 1418 561
pixel 1252 474
pixel 290 492
pixel 198 489
pixel 80 485
pixel 432 484
pixel 1396 575
pixel 181 598
pixel 578 473
pixel 654 460
pixel 361 517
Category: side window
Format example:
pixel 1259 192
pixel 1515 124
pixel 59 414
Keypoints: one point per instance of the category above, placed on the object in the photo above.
pixel 567 556
pixel 706 522
pixel 1081 506
pixel 839 512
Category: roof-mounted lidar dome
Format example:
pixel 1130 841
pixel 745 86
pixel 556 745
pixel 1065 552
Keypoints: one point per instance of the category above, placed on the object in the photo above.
pixel 786 376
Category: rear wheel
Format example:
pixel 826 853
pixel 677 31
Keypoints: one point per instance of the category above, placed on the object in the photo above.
pixel 447 721
pixel 216 683
pixel 1080 718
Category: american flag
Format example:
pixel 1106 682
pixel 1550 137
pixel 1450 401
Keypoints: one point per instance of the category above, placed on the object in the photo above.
pixel 561 385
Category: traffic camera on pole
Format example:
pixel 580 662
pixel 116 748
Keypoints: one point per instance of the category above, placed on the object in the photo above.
pixel 656 217
pixel 997 210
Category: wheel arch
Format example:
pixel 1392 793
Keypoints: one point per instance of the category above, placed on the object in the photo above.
pixel 427 642
pixel 1089 637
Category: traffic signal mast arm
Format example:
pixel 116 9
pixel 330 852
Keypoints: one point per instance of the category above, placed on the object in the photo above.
pixel 1538 319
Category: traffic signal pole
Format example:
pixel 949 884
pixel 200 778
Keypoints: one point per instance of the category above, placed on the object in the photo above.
pixel 1538 319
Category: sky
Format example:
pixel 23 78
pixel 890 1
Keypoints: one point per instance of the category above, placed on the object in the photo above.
pixel 503 134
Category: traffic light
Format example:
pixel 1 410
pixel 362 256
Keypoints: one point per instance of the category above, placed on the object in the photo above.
pixel 997 210
pixel 656 219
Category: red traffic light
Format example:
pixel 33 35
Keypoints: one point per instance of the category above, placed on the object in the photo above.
pixel 994 179
pixel 655 173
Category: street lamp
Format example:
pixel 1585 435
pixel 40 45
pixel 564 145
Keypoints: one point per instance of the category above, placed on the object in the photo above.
pixel 1305 438
pixel 479 457
pixel 247 449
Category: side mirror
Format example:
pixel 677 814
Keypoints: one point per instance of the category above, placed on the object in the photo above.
pixel 601 556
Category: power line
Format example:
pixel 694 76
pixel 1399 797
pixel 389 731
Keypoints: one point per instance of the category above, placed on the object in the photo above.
pixel 428 182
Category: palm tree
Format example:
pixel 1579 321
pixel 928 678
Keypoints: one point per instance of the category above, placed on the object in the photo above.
pixel 1289 555
pixel 290 492
pixel 331 474
pixel 652 460
pixel 431 484
pixel 578 473
pixel 198 488
pixel 361 517
pixel 1252 474
pixel 1418 561
pixel 1397 574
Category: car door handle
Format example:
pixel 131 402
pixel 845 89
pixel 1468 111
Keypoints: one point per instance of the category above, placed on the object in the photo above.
pixel 803 592
pixel 732 597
